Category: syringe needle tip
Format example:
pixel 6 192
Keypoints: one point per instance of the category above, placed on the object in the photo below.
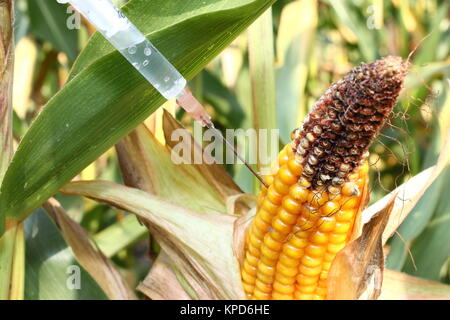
pixel 210 125
pixel 189 103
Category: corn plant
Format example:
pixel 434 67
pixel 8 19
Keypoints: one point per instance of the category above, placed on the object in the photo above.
pixel 93 204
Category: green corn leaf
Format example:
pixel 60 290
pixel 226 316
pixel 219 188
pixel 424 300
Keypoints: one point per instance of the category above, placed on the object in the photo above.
pixel 48 22
pixel 51 267
pixel 432 249
pixel 107 98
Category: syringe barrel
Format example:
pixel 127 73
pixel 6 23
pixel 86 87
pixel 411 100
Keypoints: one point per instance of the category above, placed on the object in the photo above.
pixel 132 44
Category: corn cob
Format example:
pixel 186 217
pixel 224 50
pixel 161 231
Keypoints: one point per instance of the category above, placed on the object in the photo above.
pixel 307 213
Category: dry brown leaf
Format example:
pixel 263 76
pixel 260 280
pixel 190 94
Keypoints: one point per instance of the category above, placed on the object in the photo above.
pixel 240 229
pixel 214 173
pixel 240 204
pixel 136 173
pixel 147 165
pixel 400 286
pixel 199 245
pixel 162 283
pixel 88 255
pixel 357 270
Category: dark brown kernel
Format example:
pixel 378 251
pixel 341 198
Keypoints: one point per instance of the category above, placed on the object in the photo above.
pixel 318 152
pixel 346 119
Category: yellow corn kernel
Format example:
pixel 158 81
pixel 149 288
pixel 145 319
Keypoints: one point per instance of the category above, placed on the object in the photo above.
pixel 291 205
pixel 248 287
pixel 283 288
pixel 299 240
pixel 253 250
pixel 266 216
pixel 349 203
pixel 317 198
pixel 280 226
pixel 344 215
pixel 315 250
pixel 311 261
pixel 321 292
pixel 269 253
pixel 251 270
pixel 286 216
pixel 261 224
pixel 326 224
pixel 287 176
pixel 264 278
pixel 319 238
pixel 310 271
pixel 297 233
pixel 337 238
pixel 306 280
pixel 273 195
pixel 247 278
pixel 329 208
pixel 307 289
pixel 263 287
pixel 269 180
pixel 272 243
pixel 288 261
pixel 298 193
pixel 281 296
pixel 295 166
pixel 257 232
pixel 342 227
pixel 287 271
pixel 280 186
pixel 292 251
pixel 282 158
pixel 268 261
pixel 259 295
pixel 302 296
pixel 255 241
pixel 284 279
pixel 278 236
pixel 269 206
pixel 335 248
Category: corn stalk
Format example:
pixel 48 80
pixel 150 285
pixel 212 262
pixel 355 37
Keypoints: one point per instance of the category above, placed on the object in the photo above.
pixel 8 248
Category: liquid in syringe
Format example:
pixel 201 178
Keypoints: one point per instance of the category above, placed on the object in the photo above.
pixel 150 63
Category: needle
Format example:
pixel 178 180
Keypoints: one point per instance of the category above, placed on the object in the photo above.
pixel 210 125
pixel 189 103
pixel 146 59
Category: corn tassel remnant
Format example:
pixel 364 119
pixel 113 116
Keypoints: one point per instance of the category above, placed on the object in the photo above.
pixel 307 214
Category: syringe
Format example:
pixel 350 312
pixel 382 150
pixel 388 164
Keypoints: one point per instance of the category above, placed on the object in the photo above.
pixel 145 58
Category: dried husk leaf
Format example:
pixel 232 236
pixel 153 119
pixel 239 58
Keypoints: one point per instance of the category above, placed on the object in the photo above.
pixel 240 204
pixel 358 268
pixel 88 255
pixel 224 186
pixel 400 286
pixel 162 283
pixel 240 229
pixel 200 245
pixel 147 165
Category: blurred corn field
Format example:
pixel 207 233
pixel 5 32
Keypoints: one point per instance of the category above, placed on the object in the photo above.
pixel 268 77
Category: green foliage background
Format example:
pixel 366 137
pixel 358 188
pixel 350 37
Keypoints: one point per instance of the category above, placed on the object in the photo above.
pixel 310 53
